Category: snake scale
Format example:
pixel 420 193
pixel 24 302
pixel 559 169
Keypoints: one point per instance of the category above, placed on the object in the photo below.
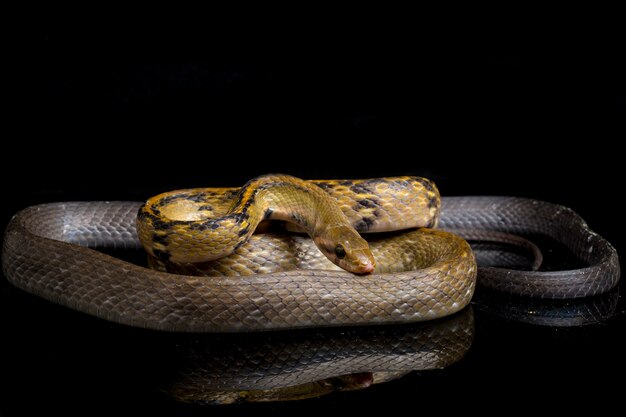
pixel 420 275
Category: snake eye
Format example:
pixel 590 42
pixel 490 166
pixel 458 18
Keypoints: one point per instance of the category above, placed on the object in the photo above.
pixel 340 252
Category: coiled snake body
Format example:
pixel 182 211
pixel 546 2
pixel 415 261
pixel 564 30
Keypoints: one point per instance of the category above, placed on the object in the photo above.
pixel 420 275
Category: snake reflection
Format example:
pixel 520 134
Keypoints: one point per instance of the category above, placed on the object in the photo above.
pixel 309 363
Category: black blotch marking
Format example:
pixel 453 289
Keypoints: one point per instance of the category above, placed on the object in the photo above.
pixel 364 224
pixel 158 238
pixel 243 231
pixel 200 226
pixel 433 202
pixel 268 214
pixel 164 201
pixel 161 255
pixel 368 203
pixel 347 183
pixel 206 207
pixel 323 186
pixel 360 189
pixel 159 224
pixel 142 214
pixel 204 225
pixel 197 198
pixel 239 217
pixel 297 218
pixel 246 206
pixel 170 199
pixel 238 198
pixel 431 222
pixel 251 198
pixel 231 194
pixel 426 183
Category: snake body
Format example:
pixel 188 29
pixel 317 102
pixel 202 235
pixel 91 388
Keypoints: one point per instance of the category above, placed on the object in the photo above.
pixel 48 251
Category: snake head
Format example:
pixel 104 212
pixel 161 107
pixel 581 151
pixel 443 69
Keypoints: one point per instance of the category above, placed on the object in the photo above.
pixel 346 249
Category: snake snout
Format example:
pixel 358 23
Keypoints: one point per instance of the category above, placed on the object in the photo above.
pixel 364 264
pixel 367 269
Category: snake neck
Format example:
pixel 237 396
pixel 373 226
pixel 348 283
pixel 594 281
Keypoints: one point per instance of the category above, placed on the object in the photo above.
pixel 286 198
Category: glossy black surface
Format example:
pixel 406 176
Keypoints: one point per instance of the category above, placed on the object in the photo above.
pixel 479 115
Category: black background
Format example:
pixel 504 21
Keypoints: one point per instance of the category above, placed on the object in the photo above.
pixel 106 114
pixel 111 113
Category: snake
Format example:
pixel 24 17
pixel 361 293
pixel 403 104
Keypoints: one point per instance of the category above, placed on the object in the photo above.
pixel 337 278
